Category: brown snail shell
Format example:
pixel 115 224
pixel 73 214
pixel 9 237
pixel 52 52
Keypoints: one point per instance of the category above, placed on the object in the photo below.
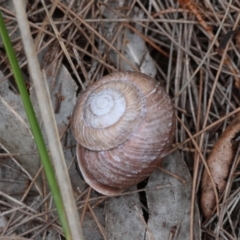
pixel 124 125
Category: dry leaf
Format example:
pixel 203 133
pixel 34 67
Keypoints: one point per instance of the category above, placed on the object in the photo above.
pixel 219 163
pixel 124 218
pixel 169 208
pixel 14 125
pixel 132 46
pixel 14 128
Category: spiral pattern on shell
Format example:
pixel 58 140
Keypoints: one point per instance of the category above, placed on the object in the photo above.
pixel 124 125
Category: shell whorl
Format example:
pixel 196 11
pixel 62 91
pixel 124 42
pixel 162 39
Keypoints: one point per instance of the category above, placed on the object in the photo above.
pixel 116 152
pixel 107 114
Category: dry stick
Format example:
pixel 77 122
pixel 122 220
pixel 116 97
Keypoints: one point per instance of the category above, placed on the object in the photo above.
pixel 187 149
pixel 49 211
pixel 65 41
pixel 197 156
pixel 100 227
pixel 32 229
pixel 43 25
pixel 143 220
pixel 22 199
pixel 85 35
pixel 45 227
pixel 159 26
pixel 98 58
pixel 37 216
pixel 183 181
pixel 68 42
pixel 14 237
pixel 170 65
pixel 232 203
pixel 111 41
pixel 192 7
pixel 205 129
pixel 43 220
pixel 60 40
pixel 20 220
pixel 178 69
pixel 127 193
pixel 146 39
pixel 115 37
pixel 170 10
pixel 227 192
pixel 59 56
pixel 87 205
pixel 118 31
pixel 228 235
pixel 83 69
pixel 203 160
pixel 207 115
pixel 176 231
pixel 63 7
pixel 49 123
pixel 89 41
pixel 223 145
pixel 82 193
pixel 150 234
pixel 207 53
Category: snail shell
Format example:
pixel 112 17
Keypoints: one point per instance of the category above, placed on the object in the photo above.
pixel 124 125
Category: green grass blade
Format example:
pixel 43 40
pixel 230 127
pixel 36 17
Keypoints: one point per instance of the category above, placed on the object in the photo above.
pixel 35 128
